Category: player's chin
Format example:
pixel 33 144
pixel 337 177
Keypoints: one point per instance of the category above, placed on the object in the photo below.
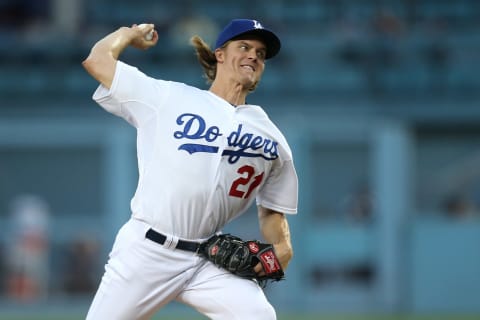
pixel 254 86
pixel 249 75
pixel 251 83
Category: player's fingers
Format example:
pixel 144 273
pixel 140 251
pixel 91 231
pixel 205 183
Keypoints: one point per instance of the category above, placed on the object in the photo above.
pixel 155 36
pixel 259 269
pixel 148 31
pixel 146 37
pixel 145 27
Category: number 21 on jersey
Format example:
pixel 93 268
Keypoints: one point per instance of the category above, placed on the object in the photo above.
pixel 243 186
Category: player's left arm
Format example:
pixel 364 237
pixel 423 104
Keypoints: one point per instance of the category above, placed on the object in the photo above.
pixel 275 230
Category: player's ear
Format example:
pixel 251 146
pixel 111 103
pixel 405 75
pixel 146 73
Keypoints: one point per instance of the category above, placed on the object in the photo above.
pixel 220 54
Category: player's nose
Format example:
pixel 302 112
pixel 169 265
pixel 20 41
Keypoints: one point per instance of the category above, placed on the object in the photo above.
pixel 252 54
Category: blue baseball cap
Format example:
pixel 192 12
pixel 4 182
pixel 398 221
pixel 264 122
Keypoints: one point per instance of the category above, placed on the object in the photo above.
pixel 244 27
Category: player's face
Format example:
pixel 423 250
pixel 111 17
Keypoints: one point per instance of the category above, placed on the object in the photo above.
pixel 245 61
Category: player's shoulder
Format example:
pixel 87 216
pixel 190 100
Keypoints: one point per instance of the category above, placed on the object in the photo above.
pixel 259 115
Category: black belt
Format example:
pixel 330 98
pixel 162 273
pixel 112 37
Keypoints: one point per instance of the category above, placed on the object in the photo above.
pixel 181 244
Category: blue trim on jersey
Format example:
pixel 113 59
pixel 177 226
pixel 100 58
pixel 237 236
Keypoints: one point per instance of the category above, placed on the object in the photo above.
pixel 234 155
pixel 193 147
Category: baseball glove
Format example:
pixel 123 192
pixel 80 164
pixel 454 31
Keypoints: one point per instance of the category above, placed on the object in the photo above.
pixel 240 257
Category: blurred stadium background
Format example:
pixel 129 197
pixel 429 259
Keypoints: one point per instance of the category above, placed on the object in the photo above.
pixel 380 103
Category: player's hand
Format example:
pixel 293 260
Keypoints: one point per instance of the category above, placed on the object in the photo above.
pixel 144 36
pixel 284 253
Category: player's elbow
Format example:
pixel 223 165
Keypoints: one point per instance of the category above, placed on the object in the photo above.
pixel 100 69
pixel 92 65
pixel 89 65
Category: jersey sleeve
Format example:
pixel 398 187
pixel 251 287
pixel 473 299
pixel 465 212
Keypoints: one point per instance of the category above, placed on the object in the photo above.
pixel 133 95
pixel 280 191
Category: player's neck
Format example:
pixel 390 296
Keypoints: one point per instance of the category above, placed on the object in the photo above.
pixel 235 95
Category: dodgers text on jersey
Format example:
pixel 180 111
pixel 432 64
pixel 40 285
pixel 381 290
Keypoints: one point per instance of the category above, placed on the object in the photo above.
pixel 244 144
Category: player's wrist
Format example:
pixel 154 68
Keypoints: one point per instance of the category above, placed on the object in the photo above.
pixel 284 252
pixel 116 42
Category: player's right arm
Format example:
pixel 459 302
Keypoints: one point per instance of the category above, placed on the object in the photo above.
pixel 102 60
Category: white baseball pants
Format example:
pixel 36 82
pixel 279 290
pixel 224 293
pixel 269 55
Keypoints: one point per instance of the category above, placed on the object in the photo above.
pixel 142 276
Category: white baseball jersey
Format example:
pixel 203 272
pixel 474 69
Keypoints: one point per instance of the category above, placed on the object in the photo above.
pixel 201 160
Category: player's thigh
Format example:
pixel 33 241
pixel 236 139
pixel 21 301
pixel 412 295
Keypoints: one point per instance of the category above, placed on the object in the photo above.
pixel 116 298
pixel 221 295
pixel 139 277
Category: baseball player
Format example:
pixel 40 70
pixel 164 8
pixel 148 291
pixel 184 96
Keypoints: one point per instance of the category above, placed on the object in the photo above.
pixel 203 157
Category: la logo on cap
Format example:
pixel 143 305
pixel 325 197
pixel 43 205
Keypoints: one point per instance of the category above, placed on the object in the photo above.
pixel 257 25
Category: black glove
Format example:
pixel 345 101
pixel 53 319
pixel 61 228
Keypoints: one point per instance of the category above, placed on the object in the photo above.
pixel 240 257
